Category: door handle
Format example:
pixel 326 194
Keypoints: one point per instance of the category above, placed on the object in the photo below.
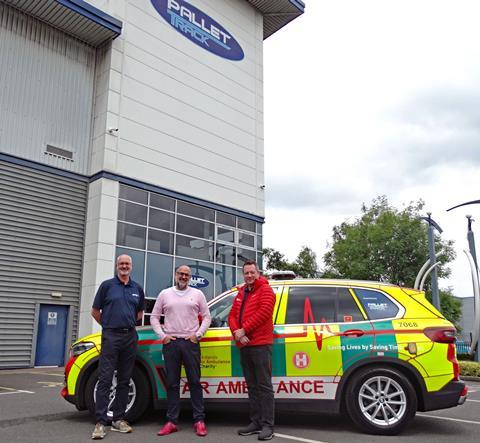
pixel 353 333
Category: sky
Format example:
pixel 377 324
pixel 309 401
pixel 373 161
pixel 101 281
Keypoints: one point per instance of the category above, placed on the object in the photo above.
pixel 372 97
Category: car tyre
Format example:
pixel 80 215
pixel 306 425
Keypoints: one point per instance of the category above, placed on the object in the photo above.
pixel 380 400
pixel 138 395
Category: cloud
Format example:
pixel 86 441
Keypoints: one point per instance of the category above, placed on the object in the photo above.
pixel 309 193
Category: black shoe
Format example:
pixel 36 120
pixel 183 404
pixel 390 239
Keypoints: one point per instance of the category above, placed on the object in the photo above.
pixel 265 434
pixel 251 429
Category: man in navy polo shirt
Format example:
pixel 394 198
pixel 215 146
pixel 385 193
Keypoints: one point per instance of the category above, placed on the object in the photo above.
pixel 117 306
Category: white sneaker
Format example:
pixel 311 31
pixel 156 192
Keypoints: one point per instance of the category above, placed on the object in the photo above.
pixel 99 432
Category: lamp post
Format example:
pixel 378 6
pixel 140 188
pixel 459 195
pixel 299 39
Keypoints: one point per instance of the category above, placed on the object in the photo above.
pixel 432 224
pixel 471 247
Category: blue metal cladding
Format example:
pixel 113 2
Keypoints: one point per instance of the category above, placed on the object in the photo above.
pixel 199 28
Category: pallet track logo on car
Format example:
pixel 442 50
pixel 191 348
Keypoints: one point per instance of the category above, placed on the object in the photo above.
pixel 199 28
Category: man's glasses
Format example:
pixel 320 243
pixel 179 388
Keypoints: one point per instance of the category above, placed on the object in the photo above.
pixel 183 274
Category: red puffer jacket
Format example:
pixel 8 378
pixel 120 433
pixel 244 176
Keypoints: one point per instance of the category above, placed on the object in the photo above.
pixel 257 313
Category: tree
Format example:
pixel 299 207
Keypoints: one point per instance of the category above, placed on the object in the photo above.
pixel 384 244
pixel 305 265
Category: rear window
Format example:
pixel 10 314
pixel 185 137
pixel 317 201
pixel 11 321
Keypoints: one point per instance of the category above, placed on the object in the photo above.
pixel 376 304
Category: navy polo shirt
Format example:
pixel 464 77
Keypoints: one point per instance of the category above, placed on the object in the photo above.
pixel 119 303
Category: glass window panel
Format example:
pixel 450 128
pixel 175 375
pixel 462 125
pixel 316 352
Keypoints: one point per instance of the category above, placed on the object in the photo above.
pixel 376 304
pixel 259 228
pixel 132 212
pixel 260 260
pixel 194 248
pixel 159 274
pixel 133 194
pixel 224 234
pixel 138 263
pixel 247 225
pixel 131 236
pixel 348 310
pixel 202 275
pixel 246 239
pixel 160 241
pixel 225 254
pixel 244 255
pixel 220 310
pixel 194 227
pixel 195 211
pixel 159 201
pixel 311 305
pixel 259 242
pixel 226 219
pixel 224 278
pixel 161 220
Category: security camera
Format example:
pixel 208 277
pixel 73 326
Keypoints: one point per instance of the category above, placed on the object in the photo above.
pixel 112 130
pixel 262 186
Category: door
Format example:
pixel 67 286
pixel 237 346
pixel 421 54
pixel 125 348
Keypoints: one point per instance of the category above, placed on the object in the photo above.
pixel 51 336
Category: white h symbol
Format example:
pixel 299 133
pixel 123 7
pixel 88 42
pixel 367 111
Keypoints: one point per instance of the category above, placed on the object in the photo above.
pixel 301 360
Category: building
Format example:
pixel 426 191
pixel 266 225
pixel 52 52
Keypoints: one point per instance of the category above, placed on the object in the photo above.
pixel 467 321
pixel 125 126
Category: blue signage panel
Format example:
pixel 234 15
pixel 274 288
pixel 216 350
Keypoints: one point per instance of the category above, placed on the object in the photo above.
pixel 198 281
pixel 200 28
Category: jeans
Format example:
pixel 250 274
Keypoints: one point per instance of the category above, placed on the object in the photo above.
pixel 118 353
pixel 257 368
pixel 175 353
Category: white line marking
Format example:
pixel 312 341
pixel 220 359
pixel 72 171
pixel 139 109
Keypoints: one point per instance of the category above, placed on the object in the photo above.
pixel 450 419
pixel 292 437
pixel 476 401
pixel 17 392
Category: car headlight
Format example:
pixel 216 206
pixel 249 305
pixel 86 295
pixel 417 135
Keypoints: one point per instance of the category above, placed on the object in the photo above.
pixel 81 347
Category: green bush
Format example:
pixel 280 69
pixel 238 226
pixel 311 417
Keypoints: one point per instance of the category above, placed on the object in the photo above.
pixel 464 357
pixel 470 368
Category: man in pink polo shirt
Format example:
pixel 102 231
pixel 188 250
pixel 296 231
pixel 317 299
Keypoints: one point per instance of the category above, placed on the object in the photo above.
pixel 181 306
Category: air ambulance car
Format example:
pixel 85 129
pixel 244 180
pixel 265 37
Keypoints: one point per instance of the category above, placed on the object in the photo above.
pixel 375 351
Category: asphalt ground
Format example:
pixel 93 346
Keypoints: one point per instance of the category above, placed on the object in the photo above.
pixel 31 410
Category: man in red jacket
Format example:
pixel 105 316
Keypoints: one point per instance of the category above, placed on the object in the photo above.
pixel 250 321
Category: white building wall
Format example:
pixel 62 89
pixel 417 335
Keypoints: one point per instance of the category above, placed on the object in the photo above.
pixel 187 120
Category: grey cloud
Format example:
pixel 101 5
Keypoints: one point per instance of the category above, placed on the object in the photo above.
pixel 306 193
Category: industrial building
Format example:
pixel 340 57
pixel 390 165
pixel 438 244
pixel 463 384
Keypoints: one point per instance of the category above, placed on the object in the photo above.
pixel 126 126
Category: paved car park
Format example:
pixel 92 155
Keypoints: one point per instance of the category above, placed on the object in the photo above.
pixel 31 410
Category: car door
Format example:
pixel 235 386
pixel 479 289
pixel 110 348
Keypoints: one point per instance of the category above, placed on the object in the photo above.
pixel 317 340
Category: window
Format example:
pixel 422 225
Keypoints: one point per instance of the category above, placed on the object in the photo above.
pixel 131 236
pixel 194 248
pixel 225 234
pixel 310 304
pixel 161 220
pixel 376 304
pixel 220 310
pixel 348 310
pixel 226 219
pixel 246 225
pixel 160 241
pixel 195 228
pixel 244 255
pixel 159 201
pixel 133 213
pixel 247 240
pixel 196 211
pixel 160 274
pixel 225 254
pixel 133 194
pixel 224 278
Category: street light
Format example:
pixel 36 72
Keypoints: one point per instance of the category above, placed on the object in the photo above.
pixel 432 224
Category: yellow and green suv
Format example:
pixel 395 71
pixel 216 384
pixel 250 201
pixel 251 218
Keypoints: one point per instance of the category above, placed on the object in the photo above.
pixel 376 351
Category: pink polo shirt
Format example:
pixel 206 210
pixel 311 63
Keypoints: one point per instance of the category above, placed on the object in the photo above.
pixel 180 310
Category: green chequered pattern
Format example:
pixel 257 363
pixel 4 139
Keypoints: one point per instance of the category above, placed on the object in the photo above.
pixel 386 343
pixel 355 348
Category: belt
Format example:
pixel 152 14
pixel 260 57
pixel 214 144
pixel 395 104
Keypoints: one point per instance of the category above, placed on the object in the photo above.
pixel 122 330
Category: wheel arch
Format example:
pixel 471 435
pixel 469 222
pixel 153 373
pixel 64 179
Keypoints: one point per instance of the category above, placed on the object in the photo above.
pixel 383 362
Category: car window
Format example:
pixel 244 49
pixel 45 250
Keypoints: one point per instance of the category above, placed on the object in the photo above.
pixel 376 304
pixel 309 304
pixel 220 310
pixel 348 310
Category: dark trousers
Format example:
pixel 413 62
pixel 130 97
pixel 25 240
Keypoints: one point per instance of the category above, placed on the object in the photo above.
pixel 118 353
pixel 176 353
pixel 257 368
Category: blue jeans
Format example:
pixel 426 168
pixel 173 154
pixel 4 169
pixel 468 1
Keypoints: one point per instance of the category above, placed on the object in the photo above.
pixel 175 353
pixel 118 353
